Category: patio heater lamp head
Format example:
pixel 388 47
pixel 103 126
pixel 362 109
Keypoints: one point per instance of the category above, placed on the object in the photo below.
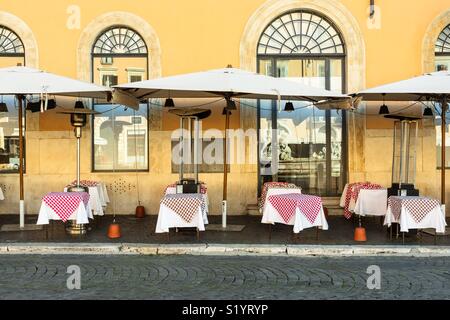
pixel 428 112
pixel 289 107
pixel 78 120
pixel 169 103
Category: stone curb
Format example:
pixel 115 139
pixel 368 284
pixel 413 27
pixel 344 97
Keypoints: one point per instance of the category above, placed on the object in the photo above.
pixel 221 249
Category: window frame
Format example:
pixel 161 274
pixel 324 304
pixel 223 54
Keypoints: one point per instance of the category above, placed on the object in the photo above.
pixel 147 103
pixel 23 56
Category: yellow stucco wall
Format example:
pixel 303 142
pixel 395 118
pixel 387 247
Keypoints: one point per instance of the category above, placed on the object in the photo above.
pixel 198 35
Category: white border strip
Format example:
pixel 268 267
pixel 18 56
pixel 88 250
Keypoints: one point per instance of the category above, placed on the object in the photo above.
pixel 222 249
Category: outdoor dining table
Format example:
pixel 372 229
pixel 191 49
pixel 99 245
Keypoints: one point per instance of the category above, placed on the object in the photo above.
pixel 98 199
pixel 300 210
pixel 65 206
pixel 270 185
pixel 172 189
pixel 366 206
pixel 371 202
pixel 182 210
pixel 415 213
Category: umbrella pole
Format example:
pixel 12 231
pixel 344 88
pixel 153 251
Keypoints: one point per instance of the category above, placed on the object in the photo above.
pixel 225 171
pixel 21 156
pixel 443 127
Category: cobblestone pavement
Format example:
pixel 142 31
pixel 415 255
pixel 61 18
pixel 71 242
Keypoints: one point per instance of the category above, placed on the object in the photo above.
pixel 222 277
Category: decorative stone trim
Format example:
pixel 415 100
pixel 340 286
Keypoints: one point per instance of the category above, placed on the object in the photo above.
pixel 430 38
pixel 25 34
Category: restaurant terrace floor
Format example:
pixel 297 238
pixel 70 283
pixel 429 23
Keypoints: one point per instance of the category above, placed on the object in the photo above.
pixel 133 230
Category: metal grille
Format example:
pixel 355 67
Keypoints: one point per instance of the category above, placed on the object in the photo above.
pixel 443 41
pixel 10 43
pixel 301 32
pixel 120 41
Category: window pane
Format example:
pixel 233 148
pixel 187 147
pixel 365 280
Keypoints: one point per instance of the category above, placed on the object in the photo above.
pixel 120 138
pixel 9 137
pixel 336 75
pixel 302 147
pixel 442 63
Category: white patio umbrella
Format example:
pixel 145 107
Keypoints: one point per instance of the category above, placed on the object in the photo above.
pixel 231 83
pixel 429 87
pixel 23 81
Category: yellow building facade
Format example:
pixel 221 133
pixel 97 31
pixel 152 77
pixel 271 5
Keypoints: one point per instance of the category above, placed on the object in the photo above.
pixel 342 45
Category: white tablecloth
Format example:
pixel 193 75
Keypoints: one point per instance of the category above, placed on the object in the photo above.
pixel 173 190
pixel 371 202
pixel 80 216
pixel 275 191
pixel 435 219
pixel 299 220
pixel 2 197
pixel 96 200
pixel 167 218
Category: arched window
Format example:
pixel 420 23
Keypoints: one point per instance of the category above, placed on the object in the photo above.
pixel 301 33
pixel 306 47
pixel 120 135
pixel 12 53
pixel 120 40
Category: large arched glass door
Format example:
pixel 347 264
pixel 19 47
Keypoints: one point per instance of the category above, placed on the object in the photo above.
pixel 311 143
pixel 12 53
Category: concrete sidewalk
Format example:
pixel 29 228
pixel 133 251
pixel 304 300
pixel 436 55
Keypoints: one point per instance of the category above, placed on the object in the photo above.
pixel 223 249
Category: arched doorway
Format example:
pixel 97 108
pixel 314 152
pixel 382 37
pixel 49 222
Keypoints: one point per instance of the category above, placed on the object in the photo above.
pixel 304 46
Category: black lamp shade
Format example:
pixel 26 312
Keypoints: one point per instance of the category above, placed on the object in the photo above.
pixel 384 110
pixel 169 103
pixel 51 104
pixel 289 107
pixel 3 107
pixel 79 105
pixel 428 112
pixel 231 105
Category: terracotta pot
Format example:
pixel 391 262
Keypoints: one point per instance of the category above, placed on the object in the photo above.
pixel 140 212
pixel 360 234
pixel 114 231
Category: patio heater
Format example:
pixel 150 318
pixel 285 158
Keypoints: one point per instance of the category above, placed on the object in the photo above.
pixel 78 119
pixel 406 131
pixel 189 119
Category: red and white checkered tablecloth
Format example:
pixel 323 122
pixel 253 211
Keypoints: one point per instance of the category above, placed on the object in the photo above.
pixel 203 188
pixel 269 185
pixel 353 190
pixel 286 205
pixel 84 183
pixel 64 204
pixel 418 207
pixel 186 205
